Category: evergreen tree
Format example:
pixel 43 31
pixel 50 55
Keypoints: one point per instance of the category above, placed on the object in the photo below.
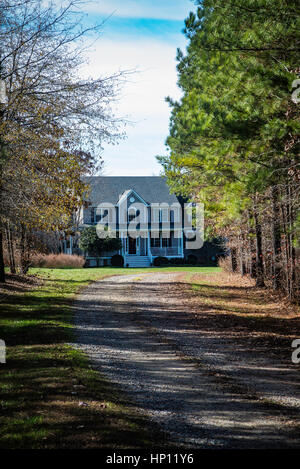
pixel 234 134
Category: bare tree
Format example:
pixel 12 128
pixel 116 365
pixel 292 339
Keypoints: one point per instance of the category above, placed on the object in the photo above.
pixel 55 122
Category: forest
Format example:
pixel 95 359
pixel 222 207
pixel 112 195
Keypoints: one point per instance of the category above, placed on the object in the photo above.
pixel 234 135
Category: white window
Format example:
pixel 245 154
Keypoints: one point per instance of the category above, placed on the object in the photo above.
pixel 155 214
pixel 155 242
pixel 164 214
pixel 105 214
pixel 175 213
pixel 100 213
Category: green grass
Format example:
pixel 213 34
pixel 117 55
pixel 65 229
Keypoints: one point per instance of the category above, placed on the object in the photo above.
pixel 44 379
pixel 96 273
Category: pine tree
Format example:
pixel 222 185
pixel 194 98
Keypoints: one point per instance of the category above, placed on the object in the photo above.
pixel 234 134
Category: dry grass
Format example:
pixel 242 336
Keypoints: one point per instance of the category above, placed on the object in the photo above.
pixel 225 264
pixel 239 293
pixel 57 261
pixel 231 307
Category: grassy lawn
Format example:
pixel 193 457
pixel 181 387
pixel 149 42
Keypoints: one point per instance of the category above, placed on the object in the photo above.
pixel 49 395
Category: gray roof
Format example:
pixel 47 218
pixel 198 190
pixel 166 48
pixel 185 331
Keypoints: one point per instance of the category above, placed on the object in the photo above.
pixel 153 189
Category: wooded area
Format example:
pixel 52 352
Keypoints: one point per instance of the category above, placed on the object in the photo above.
pixel 234 135
pixel 52 123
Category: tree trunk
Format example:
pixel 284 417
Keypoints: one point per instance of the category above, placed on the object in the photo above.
pixel 24 263
pixel 286 247
pixel 2 154
pixel 252 248
pixel 259 253
pixel 233 259
pixel 10 248
pixel 292 251
pixel 277 258
pixel 242 255
pixel 2 268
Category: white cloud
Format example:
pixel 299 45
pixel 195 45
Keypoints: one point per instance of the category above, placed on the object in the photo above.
pixel 156 9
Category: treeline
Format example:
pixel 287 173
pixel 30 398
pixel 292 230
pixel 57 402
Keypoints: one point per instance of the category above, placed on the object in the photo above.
pixel 234 135
pixel 52 121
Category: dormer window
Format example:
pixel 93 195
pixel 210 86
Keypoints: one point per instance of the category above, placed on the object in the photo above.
pixel 132 213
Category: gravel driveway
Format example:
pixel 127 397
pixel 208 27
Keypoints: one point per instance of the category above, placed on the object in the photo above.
pixel 131 329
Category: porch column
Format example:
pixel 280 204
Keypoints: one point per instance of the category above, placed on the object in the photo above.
pixel 121 250
pixel 123 244
pixel 149 246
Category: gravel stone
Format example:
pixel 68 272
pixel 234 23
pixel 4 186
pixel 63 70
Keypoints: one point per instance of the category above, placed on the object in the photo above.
pixel 130 328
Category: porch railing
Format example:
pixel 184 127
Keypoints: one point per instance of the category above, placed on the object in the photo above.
pixel 165 252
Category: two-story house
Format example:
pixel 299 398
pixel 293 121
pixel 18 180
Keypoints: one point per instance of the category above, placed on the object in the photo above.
pixel 141 211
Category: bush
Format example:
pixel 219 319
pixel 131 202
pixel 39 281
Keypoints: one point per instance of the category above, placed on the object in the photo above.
pixel 176 260
pixel 57 261
pixel 191 259
pixel 90 242
pixel 158 261
pixel 117 260
pixel 202 260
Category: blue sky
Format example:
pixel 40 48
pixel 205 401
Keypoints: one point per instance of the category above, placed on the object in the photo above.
pixel 140 35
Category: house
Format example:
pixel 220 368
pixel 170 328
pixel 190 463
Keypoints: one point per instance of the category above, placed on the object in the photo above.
pixel 141 212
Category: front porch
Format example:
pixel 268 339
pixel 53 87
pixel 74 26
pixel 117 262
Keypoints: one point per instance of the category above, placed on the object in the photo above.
pixel 138 251
pixel 148 248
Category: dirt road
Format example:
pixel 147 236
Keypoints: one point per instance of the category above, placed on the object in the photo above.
pixel 139 332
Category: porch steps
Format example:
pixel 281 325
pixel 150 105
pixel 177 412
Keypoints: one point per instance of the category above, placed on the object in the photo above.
pixel 137 261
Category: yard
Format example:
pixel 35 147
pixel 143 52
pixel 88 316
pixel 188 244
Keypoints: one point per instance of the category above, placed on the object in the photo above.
pixel 51 397
pixel 45 383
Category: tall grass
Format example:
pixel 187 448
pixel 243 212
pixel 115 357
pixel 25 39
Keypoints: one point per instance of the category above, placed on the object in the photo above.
pixel 225 264
pixel 58 261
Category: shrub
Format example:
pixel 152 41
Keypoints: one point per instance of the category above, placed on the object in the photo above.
pixel 57 261
pixel 192 259
pixel 202 260
pixel 158 261
pixel 176 260
pixel 90 242
pixel 117 260
pixel 225 263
